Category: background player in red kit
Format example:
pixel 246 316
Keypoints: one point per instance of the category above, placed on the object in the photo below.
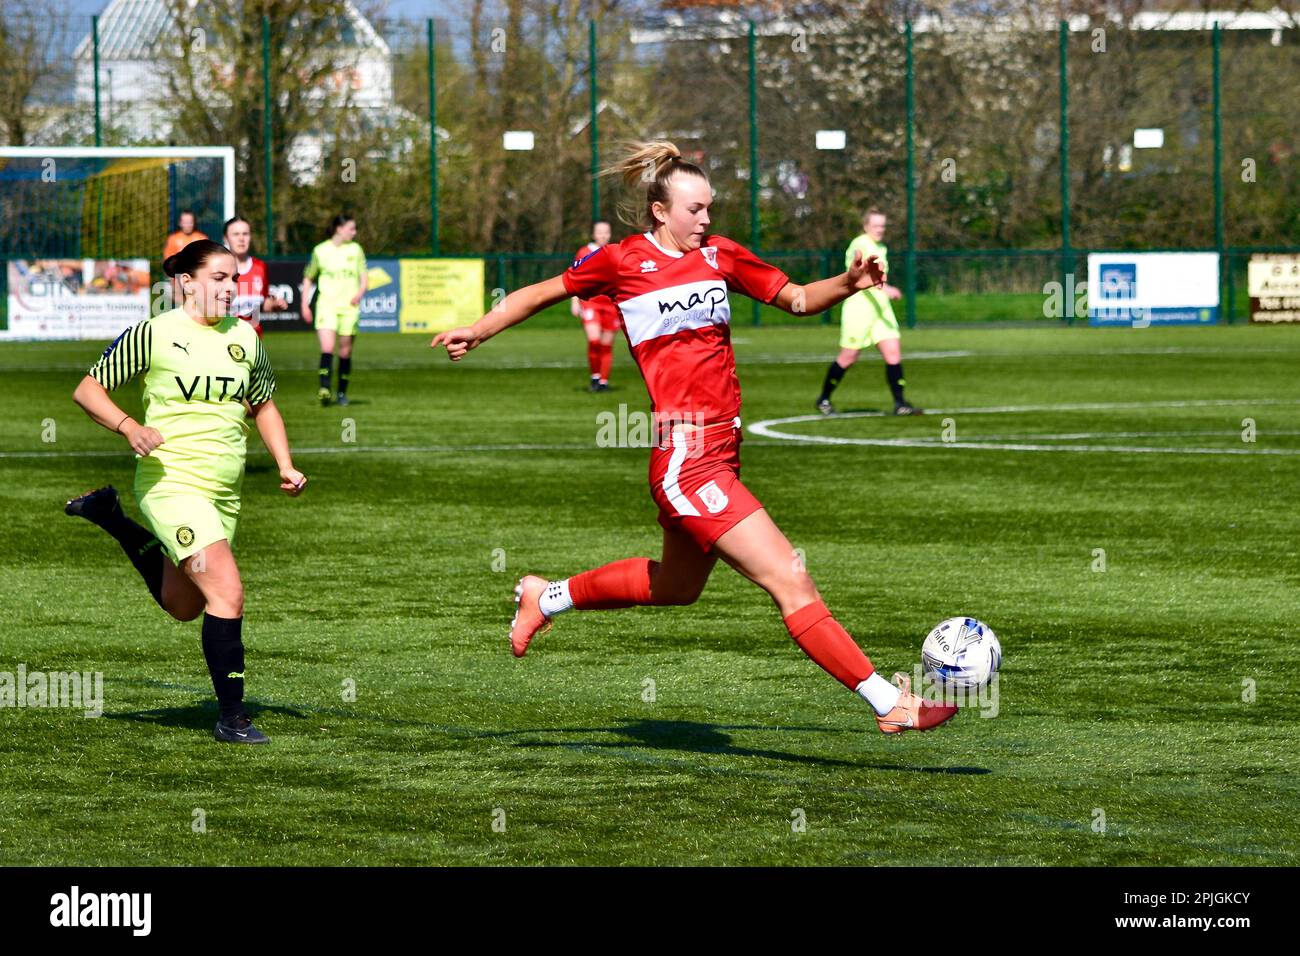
pixel 251 299
pixel 671 284
pixel 600 320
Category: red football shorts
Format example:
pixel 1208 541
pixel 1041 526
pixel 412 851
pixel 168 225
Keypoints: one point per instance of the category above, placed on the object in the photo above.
pixel 696 484
pixel 605 315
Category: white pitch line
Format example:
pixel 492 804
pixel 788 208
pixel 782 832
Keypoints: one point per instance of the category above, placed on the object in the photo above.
pixel 1079 436
pixel 1016 446
pixel 525 365
pixel 768 429
pixel 64 454
pixel 761 358
pixel 333 450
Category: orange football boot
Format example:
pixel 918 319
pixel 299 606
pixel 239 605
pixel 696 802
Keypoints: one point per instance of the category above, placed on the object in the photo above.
pixel 529 620
pixel 912 712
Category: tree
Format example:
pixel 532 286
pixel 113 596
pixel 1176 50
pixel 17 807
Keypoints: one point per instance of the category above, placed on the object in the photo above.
pixel 31 45
pixel 214 75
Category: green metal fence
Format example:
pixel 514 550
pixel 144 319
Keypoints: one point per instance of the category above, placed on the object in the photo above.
pixel 1001 153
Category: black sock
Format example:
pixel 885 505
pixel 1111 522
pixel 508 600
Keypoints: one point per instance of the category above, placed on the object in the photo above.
pixel 326 359
pixel 894 375
pixel 833 376
pixel 345 372
pixel 224 651
pixel 140 545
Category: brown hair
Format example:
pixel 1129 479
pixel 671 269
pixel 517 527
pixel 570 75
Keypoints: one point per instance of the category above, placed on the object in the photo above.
pixel 193 256
pixel 225 230
pixel 654 164
pixel 873 211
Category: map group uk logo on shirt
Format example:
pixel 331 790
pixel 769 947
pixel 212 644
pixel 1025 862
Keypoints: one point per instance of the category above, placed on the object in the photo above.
pixel 691 305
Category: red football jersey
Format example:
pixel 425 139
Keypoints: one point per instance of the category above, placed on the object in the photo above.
pixel 597 304
pixel 677 316
pixel 251 292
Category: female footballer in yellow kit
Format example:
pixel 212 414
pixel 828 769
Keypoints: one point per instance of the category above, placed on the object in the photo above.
pixel 204 371
pixel 339 263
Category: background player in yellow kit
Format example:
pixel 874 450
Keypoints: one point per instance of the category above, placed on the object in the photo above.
pixel 340 264
pixel 204 373
pixel 866 319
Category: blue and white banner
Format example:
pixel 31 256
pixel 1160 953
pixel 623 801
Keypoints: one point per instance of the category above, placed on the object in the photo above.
pixel 383 298
pixel 1138 289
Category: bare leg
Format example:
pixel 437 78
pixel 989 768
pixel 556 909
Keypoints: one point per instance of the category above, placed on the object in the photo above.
pixel 758 549
pixel 215 575
pixel 181 598
pixel 682 571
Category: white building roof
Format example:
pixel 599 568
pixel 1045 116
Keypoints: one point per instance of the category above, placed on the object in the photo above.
pixel 131 30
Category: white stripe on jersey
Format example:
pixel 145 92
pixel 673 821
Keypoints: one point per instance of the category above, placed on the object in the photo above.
pixel 671 489
pixel 691 305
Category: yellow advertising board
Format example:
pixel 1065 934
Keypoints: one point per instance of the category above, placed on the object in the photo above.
pixel 439 294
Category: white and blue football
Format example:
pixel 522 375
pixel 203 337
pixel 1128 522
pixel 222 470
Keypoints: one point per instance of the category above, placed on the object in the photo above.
pixel 961 652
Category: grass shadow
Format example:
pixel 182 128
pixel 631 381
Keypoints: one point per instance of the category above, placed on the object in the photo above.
pixel 198 716
pixel 685 736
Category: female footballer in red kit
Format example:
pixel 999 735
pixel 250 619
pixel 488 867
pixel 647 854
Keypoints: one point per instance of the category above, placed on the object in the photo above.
pixel 671 285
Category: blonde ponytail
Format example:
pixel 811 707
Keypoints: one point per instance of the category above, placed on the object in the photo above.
pixel 650 165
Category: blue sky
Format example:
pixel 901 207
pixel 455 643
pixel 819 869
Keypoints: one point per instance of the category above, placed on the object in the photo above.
pixel 395 8
pixel 73 10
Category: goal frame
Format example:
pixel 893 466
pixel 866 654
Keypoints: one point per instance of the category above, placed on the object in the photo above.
pixel 225 153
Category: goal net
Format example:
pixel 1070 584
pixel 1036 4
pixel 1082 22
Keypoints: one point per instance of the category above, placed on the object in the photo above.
pixel 109 202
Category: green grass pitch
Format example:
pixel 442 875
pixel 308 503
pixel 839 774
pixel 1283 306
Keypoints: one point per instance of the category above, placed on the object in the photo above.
pixel 1153 696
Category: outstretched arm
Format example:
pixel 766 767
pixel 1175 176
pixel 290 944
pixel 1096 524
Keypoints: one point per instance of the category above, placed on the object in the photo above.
pixel 820 296
pixel 513 309
pixel 270 425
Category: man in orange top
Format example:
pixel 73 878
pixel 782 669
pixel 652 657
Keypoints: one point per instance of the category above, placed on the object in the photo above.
pixel 184 234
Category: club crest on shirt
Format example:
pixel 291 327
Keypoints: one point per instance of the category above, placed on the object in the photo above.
pixel 710 255
pixel 185 536
pixel 713 497
pixel 236 351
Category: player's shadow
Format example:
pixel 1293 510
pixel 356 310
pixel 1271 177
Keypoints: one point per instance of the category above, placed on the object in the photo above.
pixel 884 413
pixel 198 716
pixel 685 736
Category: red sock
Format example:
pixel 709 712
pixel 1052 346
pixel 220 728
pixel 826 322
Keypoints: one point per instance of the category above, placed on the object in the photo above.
pixel 623 583
pixel 606 361
pixel 593 357
pixel 822 638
